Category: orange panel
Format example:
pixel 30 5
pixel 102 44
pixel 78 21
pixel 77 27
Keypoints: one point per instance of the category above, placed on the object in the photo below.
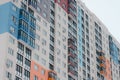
pixel 108 70
pixel 38 72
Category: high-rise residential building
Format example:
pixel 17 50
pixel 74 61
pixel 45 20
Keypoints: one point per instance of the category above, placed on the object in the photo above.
pixel 55 40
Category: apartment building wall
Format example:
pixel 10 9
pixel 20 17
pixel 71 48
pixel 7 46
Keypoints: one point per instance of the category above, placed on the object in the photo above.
pixel 61 36
pixel 7 52
pixel 52 29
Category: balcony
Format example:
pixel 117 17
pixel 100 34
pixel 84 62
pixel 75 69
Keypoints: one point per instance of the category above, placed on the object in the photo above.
pixel 102 65
pixel 23 25
pixel 19 62
pixel 72 5
pixel 72 54
pixel 20 51
pixel 102 58
pixel 103 72
pixel 71 72
pixel 28 56
pixel 71 61
pixel 33 3
pixel 33 21
pixel 52 75
pixel 24 15
pixel 72 46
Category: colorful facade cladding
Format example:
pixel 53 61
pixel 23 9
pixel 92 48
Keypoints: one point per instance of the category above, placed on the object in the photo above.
pixel 55 40
pixel 63 4
pixel 108 70
pixel 40 73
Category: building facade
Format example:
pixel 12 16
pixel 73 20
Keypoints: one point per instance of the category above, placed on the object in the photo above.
pixel 55 40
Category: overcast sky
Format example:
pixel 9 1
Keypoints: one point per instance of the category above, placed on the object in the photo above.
pixel 108 11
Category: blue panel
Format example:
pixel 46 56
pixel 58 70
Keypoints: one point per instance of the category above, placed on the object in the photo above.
pixel 17 22
pixel 4 15
pixel 79 37
pixel 7 11
pixel 114 52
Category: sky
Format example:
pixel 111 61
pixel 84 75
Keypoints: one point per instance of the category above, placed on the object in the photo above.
pixel 108 11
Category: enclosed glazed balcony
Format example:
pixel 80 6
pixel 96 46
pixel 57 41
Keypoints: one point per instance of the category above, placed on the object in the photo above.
pixel 52 75
pixel 33 3
pixel 102 58
pixel 71 44
pixel 24 15
pixel 71 53
pixel 102 65
pixel 72 8
pixel 103 72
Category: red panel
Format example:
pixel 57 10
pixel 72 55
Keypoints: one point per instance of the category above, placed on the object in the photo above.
pixel 63 4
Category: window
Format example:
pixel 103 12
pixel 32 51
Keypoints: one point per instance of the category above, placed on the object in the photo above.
pixel 31 11
pixel 8 75
pixel 59 1
pixel 9 63
pixel 23 35
pixel 64 46
pixel 39 1
pixel 64 30
pixel 64 74
pixel 51 57
pixel 44 33
pixel 64 65
pixel 35 77
pixel 14 20
pixel 11 40
pixel 64 55
pixel 58 51
pixel 58 70
pixel 59 17
pixel 51 47
pixel 43 61
pixel 14 8
pixel 86 16
pixel 58 42
pixel 36 57
pixel 37 37
pixel 44 23
pixel 19 57
pixel 44 51
pixel 43 42
pixel 23 6
pixel 19 70
pixel 37 47
pixel 21 46
pixel 17 78
pixel 28 52
pixel 45 6
pixel 23 24
pixel 51 66
pixel 27 73
pixel 35 67
pixel 38 27
pixel 64 21
pixel 12 29
pixel 10 51
pixel 38 9
pixel 64 6
pixel 27 62
pixel 44 14
pixel 43 72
